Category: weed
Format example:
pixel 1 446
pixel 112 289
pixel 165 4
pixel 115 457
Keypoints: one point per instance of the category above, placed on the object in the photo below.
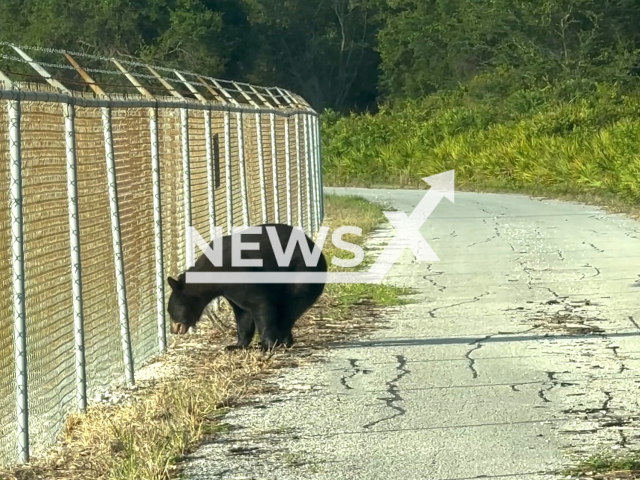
pixel 612 466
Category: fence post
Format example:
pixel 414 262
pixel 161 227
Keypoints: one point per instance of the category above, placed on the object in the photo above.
pixel 74 244
pixel 312 172
pixel 243 180
pixel 316 174
pixel 320 182
pixel 320 174
pixel 287 157
pixel 263 189
pixel 297 120
pixel 307 153
pixel 157 229
pixel 17 271
pixel 117 245
pixel 274 167
pixel 210 180
pixel 186 185
pixel 227 169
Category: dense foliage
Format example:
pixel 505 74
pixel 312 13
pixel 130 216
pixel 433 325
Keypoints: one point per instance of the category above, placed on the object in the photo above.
pixel 512 92
pixel 530 140
pixel 348 54
pixel 318 48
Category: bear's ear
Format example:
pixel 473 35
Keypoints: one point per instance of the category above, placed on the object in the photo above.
pixel 174 284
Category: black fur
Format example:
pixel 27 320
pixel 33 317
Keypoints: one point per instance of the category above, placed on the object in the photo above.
pixel 271 309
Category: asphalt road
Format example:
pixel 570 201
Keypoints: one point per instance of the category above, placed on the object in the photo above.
pixel 520 355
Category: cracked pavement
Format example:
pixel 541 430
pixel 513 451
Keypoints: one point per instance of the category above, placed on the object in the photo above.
pixel 519 355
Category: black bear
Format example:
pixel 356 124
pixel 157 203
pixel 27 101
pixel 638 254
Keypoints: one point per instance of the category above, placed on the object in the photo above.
pixel 270 308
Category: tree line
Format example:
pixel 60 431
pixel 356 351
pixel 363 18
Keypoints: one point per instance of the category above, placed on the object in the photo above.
pixel 351 55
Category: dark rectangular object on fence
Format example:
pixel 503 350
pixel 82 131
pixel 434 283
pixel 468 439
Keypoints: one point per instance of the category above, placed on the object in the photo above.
pixel 216 159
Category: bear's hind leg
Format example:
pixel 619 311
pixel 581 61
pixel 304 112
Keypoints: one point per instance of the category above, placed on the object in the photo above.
pixel 267 323
pixel 285 327
pixel 288 315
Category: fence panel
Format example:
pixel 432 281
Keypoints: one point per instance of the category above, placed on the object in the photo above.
pixel 220 193
pixel 236 193
pixel 103 347
pixel 269 156
pixel 246 165
pixel 8 445
pixel 132 150
pixel 293 174
pixel 252 170
pixel 48 300
pixel 199 178
pixel 281 169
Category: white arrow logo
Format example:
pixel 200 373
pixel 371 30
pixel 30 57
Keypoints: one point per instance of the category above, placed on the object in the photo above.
pixel 407 236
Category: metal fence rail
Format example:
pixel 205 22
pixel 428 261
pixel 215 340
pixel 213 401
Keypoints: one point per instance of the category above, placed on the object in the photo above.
pixel 100 188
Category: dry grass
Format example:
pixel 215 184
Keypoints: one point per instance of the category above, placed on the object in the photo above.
pixel 182 397
pixel 165 416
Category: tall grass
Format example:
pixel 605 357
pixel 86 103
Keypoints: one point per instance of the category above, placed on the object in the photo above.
pixel 574 137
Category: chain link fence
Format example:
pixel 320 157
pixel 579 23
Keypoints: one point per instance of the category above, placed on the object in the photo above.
pixel 99 189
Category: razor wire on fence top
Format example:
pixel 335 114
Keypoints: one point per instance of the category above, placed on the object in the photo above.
pixel 106 164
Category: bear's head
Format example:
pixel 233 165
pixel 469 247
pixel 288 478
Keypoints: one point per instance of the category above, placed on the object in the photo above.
pixel 185 307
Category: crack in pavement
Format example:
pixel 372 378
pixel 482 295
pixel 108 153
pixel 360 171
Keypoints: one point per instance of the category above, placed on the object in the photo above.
pixel 604 408
pixel 623 438
pixel 394 392
pixel 614 348
pixel 594 247
pixel 542 393
pixel 527 270
pixel 441 288
pixel 592 276
pixel 488 239
pixel 475 299
pixel 356 370
pixel 495 228
pixel 477 345
pixel 494 215
pixel 557 297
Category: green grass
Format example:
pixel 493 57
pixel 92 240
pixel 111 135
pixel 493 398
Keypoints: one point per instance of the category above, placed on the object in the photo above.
pixel 607 464
pixel 543 141
pixel 355 211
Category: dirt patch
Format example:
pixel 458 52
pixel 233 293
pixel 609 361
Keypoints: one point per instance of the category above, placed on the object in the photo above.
pixel 569 317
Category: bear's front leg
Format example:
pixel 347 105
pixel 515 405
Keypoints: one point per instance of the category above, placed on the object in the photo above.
pixel 287 341
pixel 245 328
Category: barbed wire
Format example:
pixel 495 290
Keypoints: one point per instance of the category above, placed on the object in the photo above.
pixel 230 91
pixel 268 90
pixel 87 69
pixel 34 78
